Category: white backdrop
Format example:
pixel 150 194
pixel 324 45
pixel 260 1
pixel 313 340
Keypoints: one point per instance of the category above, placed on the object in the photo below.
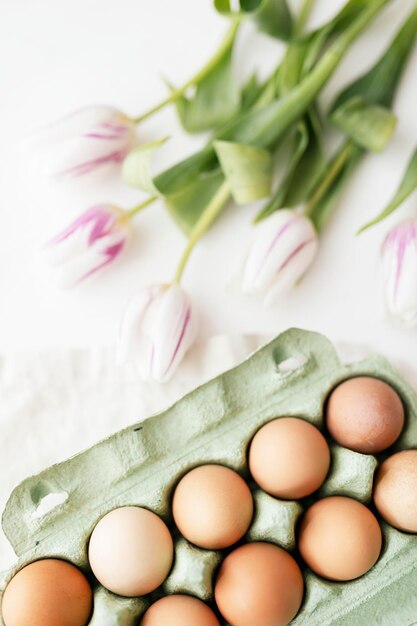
pixel 57 56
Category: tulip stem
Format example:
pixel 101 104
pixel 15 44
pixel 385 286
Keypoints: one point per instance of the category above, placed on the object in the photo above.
pixel 197 78
pixel 206 219
pixel 136 209
pixel 303 16
pixel 333 171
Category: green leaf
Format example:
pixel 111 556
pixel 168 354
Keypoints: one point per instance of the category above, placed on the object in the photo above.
pixel 406 188
pixel 323 208
pixel 186 187
pixel 136 170
pixel 370 126
pixel 248 170
pixel 378 86
pixel 251 91
pixel 186 206
pixel 306 164
pixel 217 96
pixel 272 17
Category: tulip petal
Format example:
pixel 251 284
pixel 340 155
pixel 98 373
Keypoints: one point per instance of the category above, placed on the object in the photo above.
pixel 283 248
pixel 85 140
pixel 129 343
pixel 399 254
pixel 174 332
pixel 292 270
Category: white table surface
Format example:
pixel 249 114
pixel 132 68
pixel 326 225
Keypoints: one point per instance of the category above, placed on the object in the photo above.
pixel 58 56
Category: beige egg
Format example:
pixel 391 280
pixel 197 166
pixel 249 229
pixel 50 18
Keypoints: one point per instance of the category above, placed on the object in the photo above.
pixel 395 490
pixel 48 593
pixel 259 584
pixel 365 414
pixel 289 458
pixel 131 551
pixel 212 507
pixel 179 610
pixel 339 538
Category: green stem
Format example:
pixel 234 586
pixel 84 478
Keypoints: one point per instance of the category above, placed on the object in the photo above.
pixel 204 222
pixel 303 17
pixel 136 209
pixel 332 172
pixel 197 78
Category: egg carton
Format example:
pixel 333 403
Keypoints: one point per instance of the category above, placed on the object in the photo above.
pixel 52 515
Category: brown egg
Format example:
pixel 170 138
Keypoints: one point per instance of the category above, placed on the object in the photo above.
pixel 395 490
pixel 131 551
pixel 289 458
pixel 212 507
pixel 48 593
pixel 339 538
pixel 365 414
pixel 259 584
pixel 179 610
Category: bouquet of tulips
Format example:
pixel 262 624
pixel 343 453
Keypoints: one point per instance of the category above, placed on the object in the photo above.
pixel 248 124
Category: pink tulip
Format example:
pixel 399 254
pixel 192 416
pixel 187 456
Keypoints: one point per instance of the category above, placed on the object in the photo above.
pixel 158 328
pixel 84 141
pixel 91 243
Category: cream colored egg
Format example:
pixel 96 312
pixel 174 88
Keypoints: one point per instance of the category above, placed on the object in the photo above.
pixel 131 551
pixel 212 507
pixel 48 593
pixel 339 538
pixel 289 458
pixel 179 610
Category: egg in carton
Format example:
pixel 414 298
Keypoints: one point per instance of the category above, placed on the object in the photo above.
pixel 53 514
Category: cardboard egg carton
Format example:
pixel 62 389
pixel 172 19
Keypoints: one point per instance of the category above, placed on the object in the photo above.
pixel 53 514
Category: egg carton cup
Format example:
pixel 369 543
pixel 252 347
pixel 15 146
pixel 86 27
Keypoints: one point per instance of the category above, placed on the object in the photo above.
pixel 53 514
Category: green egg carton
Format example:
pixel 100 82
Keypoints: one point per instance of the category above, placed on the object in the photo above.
pixel 141 465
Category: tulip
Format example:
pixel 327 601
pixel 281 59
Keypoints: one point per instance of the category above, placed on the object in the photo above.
pixel 158 328
pixel 85 141
pixel 399 258
pixel 283 248
pixel 90 243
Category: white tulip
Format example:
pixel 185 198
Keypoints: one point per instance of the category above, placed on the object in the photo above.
pixel 84 141
pixel 283 248
pixel 89 244
pixel 399 258
pixel 158 328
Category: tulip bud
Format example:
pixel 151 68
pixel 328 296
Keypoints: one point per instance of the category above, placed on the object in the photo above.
pixel 399 258
pixel 283 248
pixel 85 141
pixel 87 245
pixel 158 328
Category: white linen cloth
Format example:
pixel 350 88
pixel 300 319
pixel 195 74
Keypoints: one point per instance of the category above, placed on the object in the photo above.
pixel 55 404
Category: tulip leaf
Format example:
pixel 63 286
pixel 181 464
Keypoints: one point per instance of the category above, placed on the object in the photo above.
pixel 136 170
pixel 379 84
pixel 272 17
pixel 216 99
pixel 371 126
pixel 306 164
pixel 248 170
pixel 323 207
pixel 187 205
pixel 407 187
